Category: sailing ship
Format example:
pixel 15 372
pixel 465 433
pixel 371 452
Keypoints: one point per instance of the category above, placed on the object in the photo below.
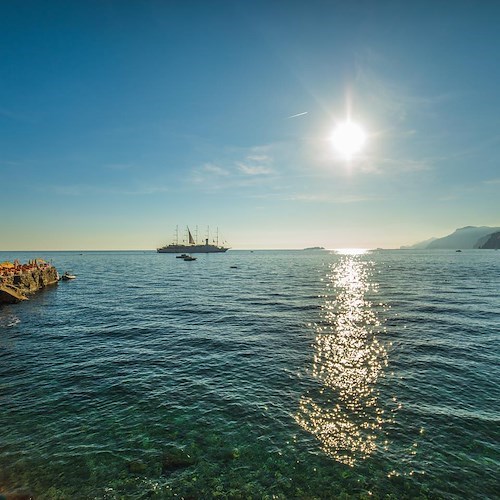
pixel 192 246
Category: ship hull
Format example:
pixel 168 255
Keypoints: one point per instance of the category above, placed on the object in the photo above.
pixel 191 249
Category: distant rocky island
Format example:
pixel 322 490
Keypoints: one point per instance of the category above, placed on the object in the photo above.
pixel 314 248
pixel 463 238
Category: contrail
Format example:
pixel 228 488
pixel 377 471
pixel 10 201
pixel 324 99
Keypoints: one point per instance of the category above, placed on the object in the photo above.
pixel 298 114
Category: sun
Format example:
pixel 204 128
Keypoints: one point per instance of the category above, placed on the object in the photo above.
pixel 348 138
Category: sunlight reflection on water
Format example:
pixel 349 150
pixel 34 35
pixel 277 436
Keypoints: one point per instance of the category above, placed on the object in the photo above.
pixel 348 360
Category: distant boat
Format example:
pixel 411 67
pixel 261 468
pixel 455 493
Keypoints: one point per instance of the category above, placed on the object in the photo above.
pixel 458 250
pixel 182 256
pixel 192 246
pixel 189 258
pixel 68 276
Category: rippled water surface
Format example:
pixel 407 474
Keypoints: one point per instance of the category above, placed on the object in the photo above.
pixel 292 375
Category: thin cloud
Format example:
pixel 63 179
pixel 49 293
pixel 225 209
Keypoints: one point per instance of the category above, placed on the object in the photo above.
pixel 245 168
pixel 119 166
pixel 259 158
pixel 93 190
pixel 14 115
pixel 254 169
pixel 319 198
pixel 211 168
pixel 10 163
pixel 390 165
pixel 338 200
pixel 492 181
pixel 208 174
pixel 256 164
pixel 297 115
pixel 396 101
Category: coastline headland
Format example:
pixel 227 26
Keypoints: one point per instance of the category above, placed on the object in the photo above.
pixel 17 280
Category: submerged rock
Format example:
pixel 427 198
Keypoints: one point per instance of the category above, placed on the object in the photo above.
pixel 136 467
pixel 17 495
pixel 227 454
pixel 175 458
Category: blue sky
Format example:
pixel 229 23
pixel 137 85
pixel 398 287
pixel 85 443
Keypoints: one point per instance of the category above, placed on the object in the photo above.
pixel 121 119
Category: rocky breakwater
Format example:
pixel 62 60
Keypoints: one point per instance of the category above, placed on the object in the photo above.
pixel 18 281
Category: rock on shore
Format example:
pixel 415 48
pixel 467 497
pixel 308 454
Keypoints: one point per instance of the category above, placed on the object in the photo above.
pixel 26 280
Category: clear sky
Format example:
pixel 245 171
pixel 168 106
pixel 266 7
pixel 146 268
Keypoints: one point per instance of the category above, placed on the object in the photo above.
pixel 121 119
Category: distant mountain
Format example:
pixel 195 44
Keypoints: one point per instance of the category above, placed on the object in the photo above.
pixel 422 244
pixel 490 241
pixel 463 238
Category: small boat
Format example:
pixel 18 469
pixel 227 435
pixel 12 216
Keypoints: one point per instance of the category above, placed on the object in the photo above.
pixel 182 256
pixel 68 276
pixel 458 250
pixel 189 258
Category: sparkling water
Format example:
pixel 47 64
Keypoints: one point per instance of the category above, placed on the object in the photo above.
pixel 265 374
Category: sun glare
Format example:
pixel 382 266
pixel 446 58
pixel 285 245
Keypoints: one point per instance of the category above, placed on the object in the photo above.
pixel 348 138
pixel 351 251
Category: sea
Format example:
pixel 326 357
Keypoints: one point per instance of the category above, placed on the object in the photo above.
pixel 265 374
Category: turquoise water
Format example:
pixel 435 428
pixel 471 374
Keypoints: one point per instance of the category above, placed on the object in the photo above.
pixel 294 375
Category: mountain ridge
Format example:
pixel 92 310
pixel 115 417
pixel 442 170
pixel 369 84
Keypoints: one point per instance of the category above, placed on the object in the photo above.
pixel 490 241
pixel 466 237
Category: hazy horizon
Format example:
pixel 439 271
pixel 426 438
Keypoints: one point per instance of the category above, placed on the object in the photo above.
pixel 306 245
pixel 122 120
